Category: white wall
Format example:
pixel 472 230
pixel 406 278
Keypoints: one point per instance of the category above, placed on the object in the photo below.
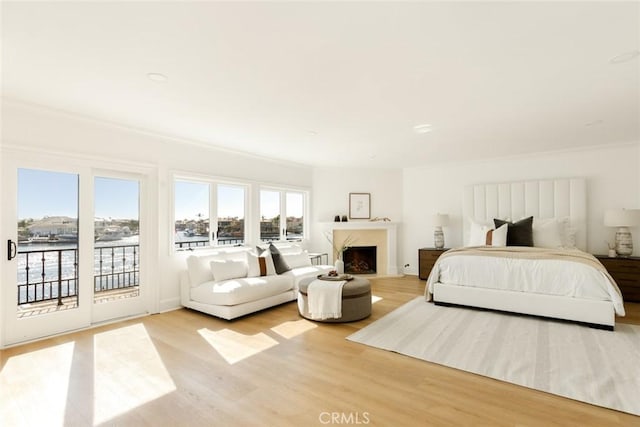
pixel 613 181
pixel 330 196
pixel 28 127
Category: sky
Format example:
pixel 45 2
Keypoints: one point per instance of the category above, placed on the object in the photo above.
pixel 45 193
pixel 192 198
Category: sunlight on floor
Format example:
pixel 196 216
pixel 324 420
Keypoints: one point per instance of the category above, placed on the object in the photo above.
pixel 234 347
pixel 375 299
pixel 293 328
pixel 128 372
pixel 34 387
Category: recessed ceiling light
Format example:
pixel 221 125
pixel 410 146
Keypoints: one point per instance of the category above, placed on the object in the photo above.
pixel 157 77
pixel 625 57
pixel 425 128
pixel 594 123
pixel 312 132
pixel 372 156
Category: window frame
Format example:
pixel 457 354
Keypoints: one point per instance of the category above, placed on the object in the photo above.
pixel 213 182
pixel 283 211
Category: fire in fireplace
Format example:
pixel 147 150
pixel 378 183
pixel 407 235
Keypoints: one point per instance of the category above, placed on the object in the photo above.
pixel 360 260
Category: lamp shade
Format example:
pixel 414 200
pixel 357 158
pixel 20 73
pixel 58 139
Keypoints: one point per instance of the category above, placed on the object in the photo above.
pixel 440 220
pixel 622 217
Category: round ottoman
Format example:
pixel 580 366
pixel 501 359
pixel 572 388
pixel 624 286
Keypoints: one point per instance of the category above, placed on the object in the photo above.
pixel 356 300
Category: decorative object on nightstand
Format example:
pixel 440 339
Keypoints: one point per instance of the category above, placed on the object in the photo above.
pixel 612 249
pixel 623 219
pixel 439 220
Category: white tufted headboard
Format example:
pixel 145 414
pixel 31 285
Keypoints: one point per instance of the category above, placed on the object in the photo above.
pixel 549 198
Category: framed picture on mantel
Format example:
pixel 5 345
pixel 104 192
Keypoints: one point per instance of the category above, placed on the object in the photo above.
pixel 359 205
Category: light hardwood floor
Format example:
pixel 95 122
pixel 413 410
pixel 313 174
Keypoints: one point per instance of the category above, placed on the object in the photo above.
pixel 271 368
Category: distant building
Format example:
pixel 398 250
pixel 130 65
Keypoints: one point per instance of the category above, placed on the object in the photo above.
pixel 53 226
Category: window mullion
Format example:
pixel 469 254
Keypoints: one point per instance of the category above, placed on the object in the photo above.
pixel 213 213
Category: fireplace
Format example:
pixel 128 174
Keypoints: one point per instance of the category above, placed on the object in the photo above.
pixel 360 260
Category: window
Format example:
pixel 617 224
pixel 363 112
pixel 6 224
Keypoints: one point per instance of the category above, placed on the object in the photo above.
pixel 269 215
pixel 295 216
pixel 277 204
pixel 230 215
pixel 191 214
pixel 208 214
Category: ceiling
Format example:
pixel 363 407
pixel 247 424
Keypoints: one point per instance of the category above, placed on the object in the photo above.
pixel 338 84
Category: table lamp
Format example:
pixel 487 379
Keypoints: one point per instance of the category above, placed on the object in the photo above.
pixel 623 219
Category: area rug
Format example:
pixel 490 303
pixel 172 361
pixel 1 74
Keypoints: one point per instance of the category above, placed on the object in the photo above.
pixel 566 359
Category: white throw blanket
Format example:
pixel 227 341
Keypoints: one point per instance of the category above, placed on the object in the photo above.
pixel 325 299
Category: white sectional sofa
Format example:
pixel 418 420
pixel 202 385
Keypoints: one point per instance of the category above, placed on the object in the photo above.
pixel 240 288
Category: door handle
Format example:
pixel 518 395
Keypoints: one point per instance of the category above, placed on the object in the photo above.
pixel 12 249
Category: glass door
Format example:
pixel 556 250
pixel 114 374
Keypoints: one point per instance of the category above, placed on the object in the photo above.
pixel 117 280
pixel 43 295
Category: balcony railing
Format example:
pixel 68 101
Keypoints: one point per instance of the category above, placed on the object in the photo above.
pixel 45 275
pixel 222 241
pixel 116 267
pixel 52 274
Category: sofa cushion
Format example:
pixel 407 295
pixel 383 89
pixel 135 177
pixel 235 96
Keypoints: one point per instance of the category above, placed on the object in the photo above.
pixel 200 269
pixel 228 269
pixel 297 260
pixel 239 291
pixel 199 266
pixel 254 264
pixel 278 260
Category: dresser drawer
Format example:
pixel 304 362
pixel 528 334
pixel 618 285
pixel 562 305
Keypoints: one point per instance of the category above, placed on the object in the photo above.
pixel 626 273
pixel 427 257
pixel 626 266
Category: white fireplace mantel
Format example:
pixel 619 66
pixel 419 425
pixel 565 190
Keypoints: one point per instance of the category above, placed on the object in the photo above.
pixel 390 227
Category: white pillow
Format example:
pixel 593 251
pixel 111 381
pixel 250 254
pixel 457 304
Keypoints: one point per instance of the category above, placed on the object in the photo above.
pixel 499 235
pixel 253 264
pixel 199 269
pixel 297 260
pixel 567 233
pixel 478 234
pixel 546 233
pixel 288 248
pixel 228 269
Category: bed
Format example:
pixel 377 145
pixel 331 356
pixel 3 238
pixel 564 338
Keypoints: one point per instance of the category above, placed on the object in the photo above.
pixel 561 282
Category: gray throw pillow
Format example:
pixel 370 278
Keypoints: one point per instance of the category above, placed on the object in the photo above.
pixel 278 260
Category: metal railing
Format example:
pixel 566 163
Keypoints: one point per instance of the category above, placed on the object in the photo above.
pixel 116 267
pixel 223 241
pixel 46 275
pixel 52 274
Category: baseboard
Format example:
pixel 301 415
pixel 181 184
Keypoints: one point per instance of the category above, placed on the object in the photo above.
pixel 169 304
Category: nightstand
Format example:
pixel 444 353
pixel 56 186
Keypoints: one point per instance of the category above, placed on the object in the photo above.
pixel 626 273
pixel 426 258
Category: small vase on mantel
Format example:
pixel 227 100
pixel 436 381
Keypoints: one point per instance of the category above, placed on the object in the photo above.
pixel 339 266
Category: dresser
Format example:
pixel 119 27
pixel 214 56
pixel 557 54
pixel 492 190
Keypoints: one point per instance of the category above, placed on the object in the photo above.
pixel 626 273
pixel 426 258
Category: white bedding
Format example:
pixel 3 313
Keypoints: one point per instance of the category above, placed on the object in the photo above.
pixel 544 276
